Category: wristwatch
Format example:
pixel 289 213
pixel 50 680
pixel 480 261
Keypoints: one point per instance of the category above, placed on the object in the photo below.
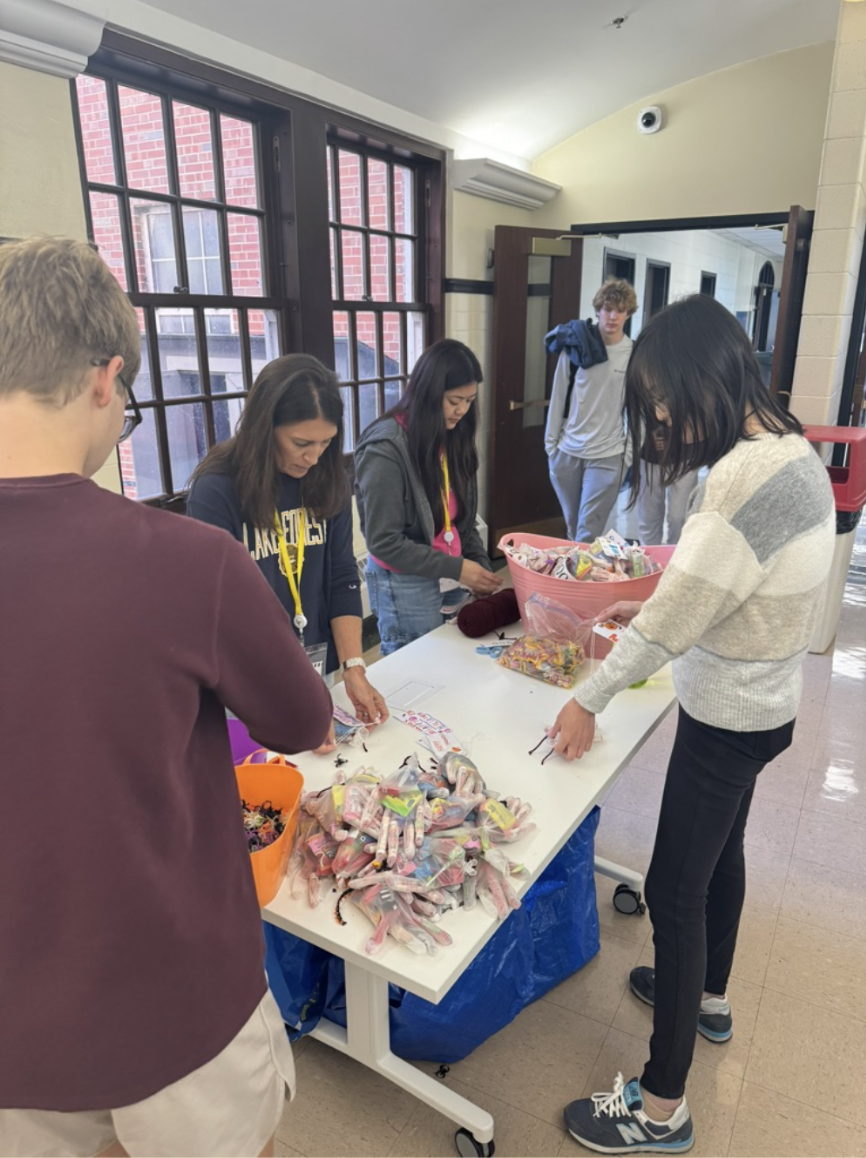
pixel 356 662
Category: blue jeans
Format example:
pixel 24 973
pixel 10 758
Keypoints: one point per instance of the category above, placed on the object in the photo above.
pixel 406 606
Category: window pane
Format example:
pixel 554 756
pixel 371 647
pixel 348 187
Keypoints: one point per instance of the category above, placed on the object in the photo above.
pixel 377 194
pixel 245 255
pixel 105 214
pixel 192 134
pixel 353 266
pixel 224 351
pixel 154 245
pixel 341 347
pixel 139 461
pixel 95 130
pixel 392 344
pixel 416 339
pixel 187 441
pixel 143 383
pixel 380 280
pixel 393 392
pixel 348 419
pixel 334 288
pixel 264 337
pixel 368 404
pixel 365 330
pixel 404 270
pixel 239 162
pixel 404 200
pixel 226 413
pixel 202 239
pixel 178 354
pixel 143 140
pixel 351 209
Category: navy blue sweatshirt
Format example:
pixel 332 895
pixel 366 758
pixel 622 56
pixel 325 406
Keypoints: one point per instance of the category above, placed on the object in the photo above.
pixel 330 585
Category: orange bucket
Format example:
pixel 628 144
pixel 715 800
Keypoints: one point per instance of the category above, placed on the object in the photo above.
pixel 267 776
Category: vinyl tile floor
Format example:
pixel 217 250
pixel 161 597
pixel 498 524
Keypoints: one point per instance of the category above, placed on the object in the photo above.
pixel 791 1080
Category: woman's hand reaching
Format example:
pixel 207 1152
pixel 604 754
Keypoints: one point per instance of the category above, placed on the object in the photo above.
pixel 624 612
pixel 477 579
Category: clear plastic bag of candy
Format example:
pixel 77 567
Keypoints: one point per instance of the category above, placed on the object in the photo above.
pixel 553 647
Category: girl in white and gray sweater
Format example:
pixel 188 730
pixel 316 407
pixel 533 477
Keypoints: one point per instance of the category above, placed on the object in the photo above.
pixel 734 611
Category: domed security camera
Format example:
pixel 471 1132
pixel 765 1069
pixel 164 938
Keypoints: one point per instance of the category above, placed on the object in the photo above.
pixel 649 120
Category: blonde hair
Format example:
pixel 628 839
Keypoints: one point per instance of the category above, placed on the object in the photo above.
pixel 616 292
pixel 61 309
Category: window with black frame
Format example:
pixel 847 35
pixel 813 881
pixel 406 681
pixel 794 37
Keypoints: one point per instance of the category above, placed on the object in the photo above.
pixel 378 208
pixel 176 206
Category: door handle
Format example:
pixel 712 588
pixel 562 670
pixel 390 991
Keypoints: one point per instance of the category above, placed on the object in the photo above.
pixel 512 405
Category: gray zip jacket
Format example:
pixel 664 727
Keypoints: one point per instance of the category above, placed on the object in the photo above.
pixel 395 515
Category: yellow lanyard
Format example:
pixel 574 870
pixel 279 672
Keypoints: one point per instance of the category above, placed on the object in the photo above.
pixel 300 620
pixel 446 500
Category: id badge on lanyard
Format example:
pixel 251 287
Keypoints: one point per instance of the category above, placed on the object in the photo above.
pixel 317 653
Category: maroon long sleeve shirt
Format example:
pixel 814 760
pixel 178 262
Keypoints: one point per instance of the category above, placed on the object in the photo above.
pixel 130 936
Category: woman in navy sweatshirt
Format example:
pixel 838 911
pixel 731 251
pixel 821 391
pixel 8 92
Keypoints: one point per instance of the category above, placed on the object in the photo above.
pixel 278 486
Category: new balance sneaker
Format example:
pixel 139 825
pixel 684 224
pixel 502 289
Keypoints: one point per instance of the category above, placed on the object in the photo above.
pixel 617 1123
pixel 714 1021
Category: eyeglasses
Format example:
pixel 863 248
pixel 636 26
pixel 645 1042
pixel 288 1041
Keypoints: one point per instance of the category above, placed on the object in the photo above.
pixel 130 421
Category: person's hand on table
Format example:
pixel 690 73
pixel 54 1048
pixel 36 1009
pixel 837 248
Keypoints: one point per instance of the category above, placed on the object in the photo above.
pixel 573 732
pixel 477 579
pixel 328 744
pixel 624 611
pixel 370 707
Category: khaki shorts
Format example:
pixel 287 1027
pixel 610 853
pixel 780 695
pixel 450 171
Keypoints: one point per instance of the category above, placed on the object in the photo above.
pixel 228 1107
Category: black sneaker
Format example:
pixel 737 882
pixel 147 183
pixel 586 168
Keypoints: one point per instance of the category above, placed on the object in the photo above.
pixel 616 1123
pixel 714 1021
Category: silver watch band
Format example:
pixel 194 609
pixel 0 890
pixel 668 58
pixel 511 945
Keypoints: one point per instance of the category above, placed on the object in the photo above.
pixel 356 662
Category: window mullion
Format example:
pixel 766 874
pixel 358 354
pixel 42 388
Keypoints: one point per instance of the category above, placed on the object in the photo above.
pixel 246 348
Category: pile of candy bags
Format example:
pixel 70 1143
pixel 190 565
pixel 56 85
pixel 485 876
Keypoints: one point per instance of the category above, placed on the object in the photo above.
pixel 609 559
pixel 409 847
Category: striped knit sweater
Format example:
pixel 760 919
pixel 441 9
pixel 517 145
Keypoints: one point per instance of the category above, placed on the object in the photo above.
pixel 737 604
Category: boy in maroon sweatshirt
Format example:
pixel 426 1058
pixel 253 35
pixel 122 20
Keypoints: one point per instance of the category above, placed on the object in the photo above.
pixel 134 1010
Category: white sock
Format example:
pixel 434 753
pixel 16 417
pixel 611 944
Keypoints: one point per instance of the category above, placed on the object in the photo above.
pixel 715 1004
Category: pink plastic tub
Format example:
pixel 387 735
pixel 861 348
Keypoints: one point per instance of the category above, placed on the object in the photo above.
pixel 586 600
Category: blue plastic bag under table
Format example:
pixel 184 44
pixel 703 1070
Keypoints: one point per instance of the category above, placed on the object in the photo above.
pixel 552 935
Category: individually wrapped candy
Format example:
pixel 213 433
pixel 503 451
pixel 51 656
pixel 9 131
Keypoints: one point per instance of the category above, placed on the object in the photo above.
pixel 608 559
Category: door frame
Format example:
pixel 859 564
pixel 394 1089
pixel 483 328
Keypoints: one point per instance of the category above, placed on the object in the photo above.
pixel 508 338
pixel 799 234
pixel 506 470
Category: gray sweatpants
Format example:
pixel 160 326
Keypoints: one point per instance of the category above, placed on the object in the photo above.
pixel 587 489
pixel 654 499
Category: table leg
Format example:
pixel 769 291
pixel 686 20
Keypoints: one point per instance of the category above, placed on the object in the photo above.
pixel 367 1039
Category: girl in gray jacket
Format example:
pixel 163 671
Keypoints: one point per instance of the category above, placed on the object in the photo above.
pixel 415 482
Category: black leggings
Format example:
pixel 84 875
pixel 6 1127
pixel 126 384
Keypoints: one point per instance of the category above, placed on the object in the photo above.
pixel 697 881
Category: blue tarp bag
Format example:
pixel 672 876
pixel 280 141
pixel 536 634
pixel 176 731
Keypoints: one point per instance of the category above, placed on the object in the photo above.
pixel 552 935
pixel 298 976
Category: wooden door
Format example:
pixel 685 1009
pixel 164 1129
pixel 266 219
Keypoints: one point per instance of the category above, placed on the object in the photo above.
pixel 791 301
pixel 536 287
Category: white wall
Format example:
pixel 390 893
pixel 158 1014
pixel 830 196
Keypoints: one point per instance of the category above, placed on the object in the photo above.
pixel 839 227
pixel 741 140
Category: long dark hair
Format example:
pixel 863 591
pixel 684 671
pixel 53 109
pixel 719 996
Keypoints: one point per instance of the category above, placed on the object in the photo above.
pixel 445 366
pixel 694 359
pixel 292 389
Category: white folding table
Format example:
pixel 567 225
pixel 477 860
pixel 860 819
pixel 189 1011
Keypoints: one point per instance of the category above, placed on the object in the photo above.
pixel 500 715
